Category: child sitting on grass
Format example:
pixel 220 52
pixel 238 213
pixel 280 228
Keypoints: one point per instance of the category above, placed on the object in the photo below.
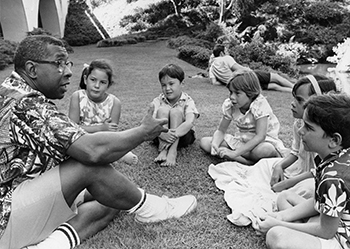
pixel 92 107
pixel 326 132
pixel 258 127
pixel 180 110
pixel 296 166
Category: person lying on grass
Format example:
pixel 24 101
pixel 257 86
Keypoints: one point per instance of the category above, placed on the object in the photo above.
pixel 180 110
pixel 222 67
pixel 321 222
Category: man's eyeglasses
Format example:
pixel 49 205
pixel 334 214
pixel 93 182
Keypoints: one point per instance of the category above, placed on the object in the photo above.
pixel 58 63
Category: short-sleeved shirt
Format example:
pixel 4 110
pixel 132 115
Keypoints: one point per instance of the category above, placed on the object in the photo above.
pixel 246 123
pixel 92 113
pixel 332 191
pixel 305 160
pixel 185 103
pixel 221 68
pixel 34 138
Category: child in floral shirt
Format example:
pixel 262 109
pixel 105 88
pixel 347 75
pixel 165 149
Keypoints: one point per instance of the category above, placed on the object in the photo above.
pixel 325 131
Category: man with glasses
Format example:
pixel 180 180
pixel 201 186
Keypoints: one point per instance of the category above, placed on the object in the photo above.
pixel 57 186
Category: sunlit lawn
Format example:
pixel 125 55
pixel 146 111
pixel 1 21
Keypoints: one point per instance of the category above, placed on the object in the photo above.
pixel 136 76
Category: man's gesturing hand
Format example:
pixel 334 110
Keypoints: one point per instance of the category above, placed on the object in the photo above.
pixel 153 127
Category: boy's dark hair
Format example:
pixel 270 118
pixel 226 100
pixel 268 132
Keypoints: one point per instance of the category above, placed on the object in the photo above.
pixel 218 49
pixel 246 81
pixel 173 71
pixel 332 113
pixel 326 84
pixel 101 64
pixel 34 48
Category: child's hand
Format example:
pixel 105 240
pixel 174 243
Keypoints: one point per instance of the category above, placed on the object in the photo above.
pixel 214 150
pixel 277 174
pixel 169 137
pixel 266 222
pixel 108 125
pixel 225 153
pixel 282 185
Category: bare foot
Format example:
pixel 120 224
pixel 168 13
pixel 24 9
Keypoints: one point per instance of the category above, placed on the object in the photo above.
pixel 161 157
pixel 130 158
pixel 170 159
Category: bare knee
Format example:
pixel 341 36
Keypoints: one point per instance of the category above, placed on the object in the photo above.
pixel 277 238
pixel 205 144
pixel 264 150
pixel 175 117
pixel 163 112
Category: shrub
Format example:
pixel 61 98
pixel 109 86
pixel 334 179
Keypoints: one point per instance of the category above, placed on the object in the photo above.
pixel 121 40
pixel 186 40
pixel 157 12
pixel 79 30
pixel 196 55
pixel 212 32
pixel 7 51
pixel 323 13
pixel 255 54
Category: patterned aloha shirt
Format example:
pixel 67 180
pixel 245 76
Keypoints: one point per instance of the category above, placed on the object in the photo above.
pixel 332 192
pixel 34 137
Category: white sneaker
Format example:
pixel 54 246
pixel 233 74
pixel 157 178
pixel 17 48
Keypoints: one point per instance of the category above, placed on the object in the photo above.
pixel 173 208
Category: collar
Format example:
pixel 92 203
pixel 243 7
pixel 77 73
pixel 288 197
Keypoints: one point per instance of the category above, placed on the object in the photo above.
pixel 321 164
pixel 181 99
pixel 15 83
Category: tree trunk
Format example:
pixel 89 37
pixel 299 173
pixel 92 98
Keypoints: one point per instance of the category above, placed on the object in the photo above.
pixel 177 7
pixel 222 10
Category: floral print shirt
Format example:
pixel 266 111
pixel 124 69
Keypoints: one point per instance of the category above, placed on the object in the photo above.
pixel 246 123
pixel 92 113
pixel 332 192
pixel 34 137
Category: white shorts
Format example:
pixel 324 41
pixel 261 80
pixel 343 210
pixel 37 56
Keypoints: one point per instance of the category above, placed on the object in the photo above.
pixel 38 208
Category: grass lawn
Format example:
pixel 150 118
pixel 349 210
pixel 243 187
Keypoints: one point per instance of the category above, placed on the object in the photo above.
pixel 136 75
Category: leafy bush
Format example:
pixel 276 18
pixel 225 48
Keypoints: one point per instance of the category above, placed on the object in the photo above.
pixel 79 30
pixel 323 13
pixel 290 10
pixel 186 40
pixel 196 55
pixel 212 32
pixel 254 53
pixel 7 51
pixel 121 40
pixel 157 12
pixel 144 18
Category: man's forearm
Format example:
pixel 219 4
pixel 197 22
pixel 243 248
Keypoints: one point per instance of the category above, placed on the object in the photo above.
pixel 106 147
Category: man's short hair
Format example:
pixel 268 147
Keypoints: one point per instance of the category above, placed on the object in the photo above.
pixel 218 49
pixel 34 48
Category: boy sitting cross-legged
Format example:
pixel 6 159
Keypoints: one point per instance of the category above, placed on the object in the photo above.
pixel 180 110
pixel 326 132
